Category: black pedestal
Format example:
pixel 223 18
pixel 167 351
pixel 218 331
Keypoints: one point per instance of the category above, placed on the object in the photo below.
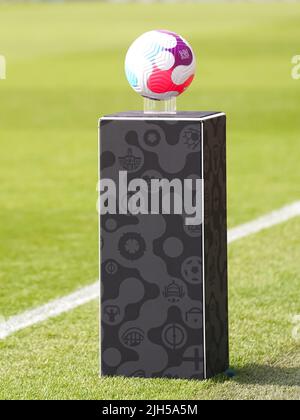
pixel 164 282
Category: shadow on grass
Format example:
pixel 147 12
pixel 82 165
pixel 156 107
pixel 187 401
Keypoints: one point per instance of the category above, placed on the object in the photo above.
pixel 264 375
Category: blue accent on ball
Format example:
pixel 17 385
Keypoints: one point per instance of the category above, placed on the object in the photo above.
pixel 153 52
pixel 131 77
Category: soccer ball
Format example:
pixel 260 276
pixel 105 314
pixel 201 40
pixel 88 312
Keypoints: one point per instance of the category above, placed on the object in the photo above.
pixel 160 65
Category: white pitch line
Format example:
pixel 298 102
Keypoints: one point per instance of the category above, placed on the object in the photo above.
pixel 86 294
pixel 264 222
pixel 49 310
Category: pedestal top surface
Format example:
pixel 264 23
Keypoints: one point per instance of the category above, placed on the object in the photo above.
pixel 179 115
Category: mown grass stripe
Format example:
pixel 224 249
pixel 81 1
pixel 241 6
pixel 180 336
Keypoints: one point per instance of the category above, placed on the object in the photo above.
pixel 86 294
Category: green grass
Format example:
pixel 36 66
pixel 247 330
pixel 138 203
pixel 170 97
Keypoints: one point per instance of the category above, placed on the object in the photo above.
pixel 64 70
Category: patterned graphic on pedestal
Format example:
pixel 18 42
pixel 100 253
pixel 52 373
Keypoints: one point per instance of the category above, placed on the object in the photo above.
pixel 151 265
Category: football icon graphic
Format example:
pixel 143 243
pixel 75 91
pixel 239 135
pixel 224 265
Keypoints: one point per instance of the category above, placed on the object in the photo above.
pixel 160 65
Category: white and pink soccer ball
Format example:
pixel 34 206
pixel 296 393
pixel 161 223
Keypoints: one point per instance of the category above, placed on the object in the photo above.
pixel 160 65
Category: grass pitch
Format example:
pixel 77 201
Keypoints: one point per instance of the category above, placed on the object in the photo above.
pixel 64 70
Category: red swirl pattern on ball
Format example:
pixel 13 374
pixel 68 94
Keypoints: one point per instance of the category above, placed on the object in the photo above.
pixel 160 81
